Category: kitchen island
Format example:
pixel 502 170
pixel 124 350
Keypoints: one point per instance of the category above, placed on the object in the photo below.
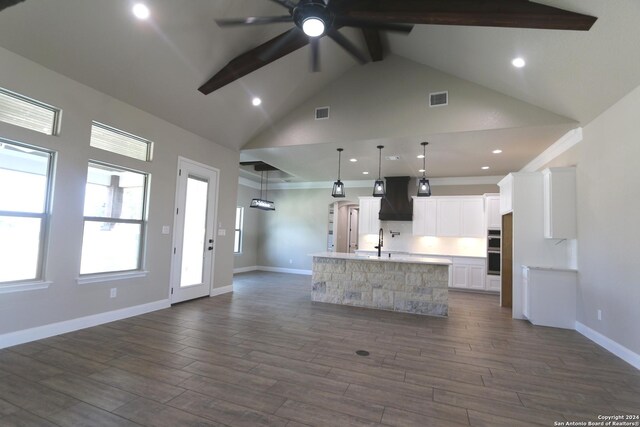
pixel 417 285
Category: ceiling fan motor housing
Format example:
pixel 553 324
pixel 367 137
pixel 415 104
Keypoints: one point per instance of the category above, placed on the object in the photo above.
pixel 312 9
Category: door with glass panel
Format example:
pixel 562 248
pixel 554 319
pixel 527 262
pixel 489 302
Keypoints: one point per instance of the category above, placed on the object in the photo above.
pixel 193 239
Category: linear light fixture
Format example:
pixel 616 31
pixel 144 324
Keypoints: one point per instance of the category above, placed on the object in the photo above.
pixel 260 203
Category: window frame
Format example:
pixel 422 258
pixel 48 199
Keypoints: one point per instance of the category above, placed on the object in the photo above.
pixel 57 112
pixel 45 216
pixel 105 127
pixel 238 230
pixel 86 277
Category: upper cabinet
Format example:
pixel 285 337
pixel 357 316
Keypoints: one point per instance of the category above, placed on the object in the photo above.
pixel 368 215
pixel 506 194
pixel 492 211
pixel 449 216
pixel 559 203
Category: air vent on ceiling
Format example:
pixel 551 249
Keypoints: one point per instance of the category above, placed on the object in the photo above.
pixel 438 99
pixel 396 157
pixel 322 113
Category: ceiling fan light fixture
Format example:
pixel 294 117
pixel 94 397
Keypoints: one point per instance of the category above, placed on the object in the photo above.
pixel 313 26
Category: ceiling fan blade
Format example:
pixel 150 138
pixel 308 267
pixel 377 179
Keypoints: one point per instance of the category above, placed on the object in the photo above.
pixel 253 20
pixel 347 45
pixel 487 13
pixel 315 54
pixel 280 43
pixel 359 23
pixel 250 61
pixel 286 3
pixel 7 3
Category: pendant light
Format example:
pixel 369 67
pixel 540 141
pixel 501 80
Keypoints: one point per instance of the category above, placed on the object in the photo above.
pixel 338 186
pixel 261 203
pixel 424 189
pixel 378 187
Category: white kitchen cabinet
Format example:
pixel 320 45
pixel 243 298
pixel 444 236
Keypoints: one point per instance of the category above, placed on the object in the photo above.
pixel 506 194
pixel 473 217
pixel 559 194
pixel 424 216
pixel 468 273
pixel 493 283
pixel 368 220
pixel 549 296
pixel 449 217
pixel 492 211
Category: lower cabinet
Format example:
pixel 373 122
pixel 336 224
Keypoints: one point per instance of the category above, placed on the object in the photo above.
pixel 468 273
pixel 549 296
pixel 494 283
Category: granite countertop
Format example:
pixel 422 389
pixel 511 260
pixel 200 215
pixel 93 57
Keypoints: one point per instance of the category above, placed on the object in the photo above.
pixel 396 259
pixel 533 267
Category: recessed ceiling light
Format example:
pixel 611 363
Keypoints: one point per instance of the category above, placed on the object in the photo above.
pixel 518 62
pixel 421 156
pixel 256 101
pixel 497 151
pixel 365 173
pixel 484 168
pixel 141 11
pixel 422 170
pixel 353 160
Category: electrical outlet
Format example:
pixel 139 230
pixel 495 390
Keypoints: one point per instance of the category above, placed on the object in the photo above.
pixel 113 293
pixel 599 314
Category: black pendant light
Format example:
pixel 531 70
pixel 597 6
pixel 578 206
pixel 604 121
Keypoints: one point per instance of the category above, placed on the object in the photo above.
pixel 261 203
pixel 338 186
pixel 424 188
pixel 378 187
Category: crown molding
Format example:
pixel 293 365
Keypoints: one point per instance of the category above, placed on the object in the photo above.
pixel 464 180
pixel 567 141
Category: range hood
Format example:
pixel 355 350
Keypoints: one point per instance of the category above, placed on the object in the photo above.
pixel 396 205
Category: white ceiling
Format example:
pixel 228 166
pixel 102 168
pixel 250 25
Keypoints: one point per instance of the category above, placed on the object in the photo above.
pixel 158 65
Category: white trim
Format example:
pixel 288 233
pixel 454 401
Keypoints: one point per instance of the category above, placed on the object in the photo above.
pixel 219 291
pixel 567 141
pixel 25 286
pixel 464 180
pixel 248 183
pixel 245 269
pixel 109 277
pixel 619 350
pixel 46 331
pixel 284 270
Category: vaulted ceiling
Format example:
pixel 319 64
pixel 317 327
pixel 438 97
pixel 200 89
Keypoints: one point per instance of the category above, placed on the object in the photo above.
pixel 157 65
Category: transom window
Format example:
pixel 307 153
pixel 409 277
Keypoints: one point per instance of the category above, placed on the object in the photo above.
pixel 25 175
pixel 116 141
pixel 28 113
pixel 237 239
pixel 114 219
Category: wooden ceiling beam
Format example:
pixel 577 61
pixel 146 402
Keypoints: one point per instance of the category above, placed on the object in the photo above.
pixel 374 44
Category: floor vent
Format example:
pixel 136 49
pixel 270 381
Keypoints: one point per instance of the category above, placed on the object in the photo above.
pixel 438 99
pixel 322 113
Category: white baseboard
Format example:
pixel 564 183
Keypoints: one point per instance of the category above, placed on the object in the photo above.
pixel 619 350
pixel 219 291
pixel 245 269
pixel 20 337
pixel 284 270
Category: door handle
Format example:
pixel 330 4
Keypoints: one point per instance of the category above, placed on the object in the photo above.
pixel 210 248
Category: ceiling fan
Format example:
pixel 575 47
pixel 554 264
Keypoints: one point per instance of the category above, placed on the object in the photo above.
pixel 314 19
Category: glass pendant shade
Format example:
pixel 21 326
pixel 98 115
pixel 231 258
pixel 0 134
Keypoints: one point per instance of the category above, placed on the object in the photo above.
pixel 378 187
pixel 424 188
pixel 338 186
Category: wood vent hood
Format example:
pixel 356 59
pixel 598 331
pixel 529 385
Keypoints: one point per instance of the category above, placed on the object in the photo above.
pixel 396 205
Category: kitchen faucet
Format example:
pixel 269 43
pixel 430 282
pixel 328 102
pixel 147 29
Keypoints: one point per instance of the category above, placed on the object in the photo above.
pixel 380 241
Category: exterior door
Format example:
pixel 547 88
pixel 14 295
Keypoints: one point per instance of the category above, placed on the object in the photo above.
pixel 353 229
pixel 193 236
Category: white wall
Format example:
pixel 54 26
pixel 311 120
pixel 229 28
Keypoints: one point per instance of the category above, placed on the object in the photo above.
pixel 65 299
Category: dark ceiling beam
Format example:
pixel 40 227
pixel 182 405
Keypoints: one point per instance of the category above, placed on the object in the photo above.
pixel 250 61
pixel 374 44
pixel 486 13
pixel 260 166
pixel 7 3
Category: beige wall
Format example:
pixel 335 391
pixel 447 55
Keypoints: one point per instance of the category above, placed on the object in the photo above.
pixel 65 299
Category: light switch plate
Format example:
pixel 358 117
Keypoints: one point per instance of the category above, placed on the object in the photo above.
pixel 222 232
pixel 165 229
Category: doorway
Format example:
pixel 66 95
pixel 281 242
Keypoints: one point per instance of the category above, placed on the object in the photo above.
pixel 506 293
pixel 193 234
pixel 352 230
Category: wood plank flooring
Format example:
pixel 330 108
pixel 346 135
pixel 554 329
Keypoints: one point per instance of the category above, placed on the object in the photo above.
pixel 267 356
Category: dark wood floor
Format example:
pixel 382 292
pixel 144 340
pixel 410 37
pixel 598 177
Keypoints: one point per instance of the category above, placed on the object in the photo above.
pixel 266 355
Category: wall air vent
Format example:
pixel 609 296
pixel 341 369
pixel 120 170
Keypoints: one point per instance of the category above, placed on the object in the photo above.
pixel 438 99
pixel 322 113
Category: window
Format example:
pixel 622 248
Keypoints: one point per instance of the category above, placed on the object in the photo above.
pixel 25 174
pixel 237 239
pixel 24 112
pixel 114 219
pixel 116 141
